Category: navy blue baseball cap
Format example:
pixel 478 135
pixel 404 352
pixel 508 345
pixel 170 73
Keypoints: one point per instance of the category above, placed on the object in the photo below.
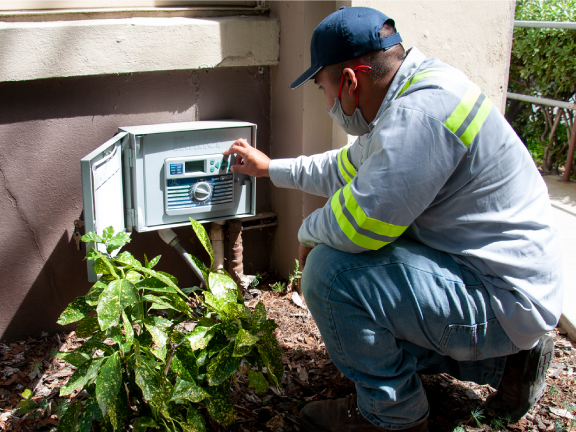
pixel 344 35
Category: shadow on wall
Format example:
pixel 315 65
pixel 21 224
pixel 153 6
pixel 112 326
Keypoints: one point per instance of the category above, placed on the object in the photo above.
pixel 47 126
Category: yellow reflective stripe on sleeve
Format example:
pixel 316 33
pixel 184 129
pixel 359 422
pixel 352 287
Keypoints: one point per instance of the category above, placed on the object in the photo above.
pixel 347 164
pixel 474 127
pixel 463 109
pixel 426 73
pixel 342 159
pixel 345 225
pixel 369 224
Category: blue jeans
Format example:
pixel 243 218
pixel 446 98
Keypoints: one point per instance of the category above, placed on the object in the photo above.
pixel 387 315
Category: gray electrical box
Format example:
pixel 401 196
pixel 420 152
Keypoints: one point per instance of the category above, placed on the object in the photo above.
pixel 158 176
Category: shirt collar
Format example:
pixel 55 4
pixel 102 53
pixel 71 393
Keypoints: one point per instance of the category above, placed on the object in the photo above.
pixel 410 65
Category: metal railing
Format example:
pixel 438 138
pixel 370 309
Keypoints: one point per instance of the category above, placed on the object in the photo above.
pixel 551 102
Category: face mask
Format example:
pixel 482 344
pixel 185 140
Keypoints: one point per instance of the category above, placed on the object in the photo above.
pixel 355 124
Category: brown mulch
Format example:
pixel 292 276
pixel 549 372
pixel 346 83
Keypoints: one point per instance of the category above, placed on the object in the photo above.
pixel 309 375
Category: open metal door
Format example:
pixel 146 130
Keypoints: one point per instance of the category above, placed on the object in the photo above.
pixel 102 190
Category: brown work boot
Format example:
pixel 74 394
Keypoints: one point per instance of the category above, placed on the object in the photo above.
pixel 342 415
pixel 523 382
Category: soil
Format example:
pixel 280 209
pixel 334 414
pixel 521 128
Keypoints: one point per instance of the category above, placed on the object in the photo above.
pixel 309 375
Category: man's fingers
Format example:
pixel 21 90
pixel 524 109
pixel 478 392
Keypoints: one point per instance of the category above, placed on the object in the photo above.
pixel 238 149
pixel 242 143
pixel 240 169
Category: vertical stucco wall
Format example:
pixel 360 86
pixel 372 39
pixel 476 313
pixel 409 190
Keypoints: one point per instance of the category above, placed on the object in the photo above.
pixel 47 126
pixel 474 36
pixel 300 124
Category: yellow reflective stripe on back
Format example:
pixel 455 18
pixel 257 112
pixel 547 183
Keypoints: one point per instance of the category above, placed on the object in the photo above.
pixel 426 73
pixel 369 224
pixel 345 225
pixel 463 109
pixel 341 167
pixel 474 127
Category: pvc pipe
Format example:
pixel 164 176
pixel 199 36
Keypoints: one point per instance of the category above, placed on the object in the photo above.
pixel 171 239
pixel 567 25
pixel 541 101
pixel 217 239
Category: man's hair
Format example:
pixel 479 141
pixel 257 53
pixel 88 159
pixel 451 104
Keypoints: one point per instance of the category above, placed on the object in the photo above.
pixel 381 61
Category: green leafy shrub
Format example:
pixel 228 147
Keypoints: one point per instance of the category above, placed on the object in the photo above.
pixel 139 366
pixel 543 64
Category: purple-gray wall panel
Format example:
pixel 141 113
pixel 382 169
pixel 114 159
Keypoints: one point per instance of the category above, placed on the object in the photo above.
pixel 47 126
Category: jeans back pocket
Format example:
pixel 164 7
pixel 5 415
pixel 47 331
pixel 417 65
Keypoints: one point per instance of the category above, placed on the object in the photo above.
pixel 477 341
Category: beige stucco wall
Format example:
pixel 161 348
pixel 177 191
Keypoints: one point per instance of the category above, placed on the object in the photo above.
pixel 474 36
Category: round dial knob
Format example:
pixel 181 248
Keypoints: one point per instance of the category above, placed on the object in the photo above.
pixel 201 192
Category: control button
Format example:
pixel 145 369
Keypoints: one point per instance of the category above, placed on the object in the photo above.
pixel 211 169
pixel 217 165
pixel 211 162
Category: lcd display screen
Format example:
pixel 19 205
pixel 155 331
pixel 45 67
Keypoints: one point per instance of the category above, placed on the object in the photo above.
pixel 194 166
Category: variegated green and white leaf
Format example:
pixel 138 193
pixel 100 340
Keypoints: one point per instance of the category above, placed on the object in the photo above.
pixel 184 363
pixel 161 277
pixel 194 421
pixel 90 412
pixel 236 310
pixel 75 311
pixel 109 382
pixel 114 299
pixel 257 381
pixel 143 423
pixel 94 294
pixel 201 266
pixel 85 374
pixel 118 410
pixel 200 336
pixel 127 259
pixel 219 406
pixel 152 263
pixel 204 239
pixel 87 326
pixel 107 266
pixel 133 276
pixel 147 378
pixel 128 329
pixel 222 366
pixel 69 421
pixel 160 338
pixel 221 284
pixel 259 315
pixel 272 358
pixel 217 303
pixel 75 358
pixel 188 390
pixel 244 343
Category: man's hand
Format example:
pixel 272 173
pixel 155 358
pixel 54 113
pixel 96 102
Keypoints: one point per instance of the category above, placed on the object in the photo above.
pixel 249 160
pixel 303 252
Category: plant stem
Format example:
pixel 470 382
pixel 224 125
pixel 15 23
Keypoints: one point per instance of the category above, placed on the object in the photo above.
pixel 172 352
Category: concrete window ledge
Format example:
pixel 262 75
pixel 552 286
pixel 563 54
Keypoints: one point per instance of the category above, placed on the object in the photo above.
pixel 36 50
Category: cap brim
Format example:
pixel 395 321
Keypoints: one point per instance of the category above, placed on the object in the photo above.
pixel 309 74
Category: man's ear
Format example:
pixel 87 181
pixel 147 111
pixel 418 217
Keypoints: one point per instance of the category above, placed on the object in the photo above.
pixel 350 81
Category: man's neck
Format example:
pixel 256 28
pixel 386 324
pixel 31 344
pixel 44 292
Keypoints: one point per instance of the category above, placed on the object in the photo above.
pixel 377 91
